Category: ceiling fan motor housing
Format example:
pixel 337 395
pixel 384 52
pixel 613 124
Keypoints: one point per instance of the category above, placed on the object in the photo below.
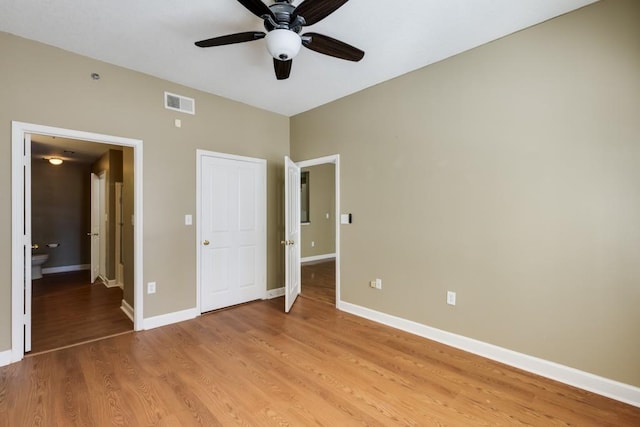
pixel 283 17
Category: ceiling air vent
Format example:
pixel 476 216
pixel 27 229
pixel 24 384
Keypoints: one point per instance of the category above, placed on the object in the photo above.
pixel 179 103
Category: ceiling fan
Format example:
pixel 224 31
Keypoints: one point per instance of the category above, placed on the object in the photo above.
pixel 283 22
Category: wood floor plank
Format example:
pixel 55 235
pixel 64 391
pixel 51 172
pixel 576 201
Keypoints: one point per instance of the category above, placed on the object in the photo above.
pixel 253 365
pixel 67 309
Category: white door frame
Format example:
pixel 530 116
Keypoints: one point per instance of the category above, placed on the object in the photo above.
pixel 18 240
pixel 335 159
pixel 199 155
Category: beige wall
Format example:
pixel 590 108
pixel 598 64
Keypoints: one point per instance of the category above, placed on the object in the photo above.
pixel 48 86
pixel 320 229
pixel 60 201
pixel 511 175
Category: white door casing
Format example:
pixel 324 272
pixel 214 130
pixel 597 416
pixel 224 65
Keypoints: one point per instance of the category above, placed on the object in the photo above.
pixel 20 222
pixel 291 240
pixel 27 241
pixel 231 230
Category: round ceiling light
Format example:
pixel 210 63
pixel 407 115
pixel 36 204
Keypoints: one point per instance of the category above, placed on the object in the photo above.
pixel 283 44
pixel 55 161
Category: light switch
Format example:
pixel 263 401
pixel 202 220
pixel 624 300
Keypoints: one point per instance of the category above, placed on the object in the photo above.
pixel 188 220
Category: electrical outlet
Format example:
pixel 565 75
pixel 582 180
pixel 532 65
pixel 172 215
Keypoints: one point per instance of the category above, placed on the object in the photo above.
pixel 451 298
pixel 313 244
pixel 151 287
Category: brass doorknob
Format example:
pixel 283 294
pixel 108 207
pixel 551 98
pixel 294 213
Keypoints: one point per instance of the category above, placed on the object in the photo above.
pixel 206 243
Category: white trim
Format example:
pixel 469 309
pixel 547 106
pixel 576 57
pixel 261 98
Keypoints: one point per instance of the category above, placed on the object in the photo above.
pixel 263 207
pixel 616 390
pixel 335 159
pixel 317 258
pixel 275 293
pixel 170 318
pixel 18 131
pixel 66 268
pixel 5 357
pixel 127 309
pixel 110 283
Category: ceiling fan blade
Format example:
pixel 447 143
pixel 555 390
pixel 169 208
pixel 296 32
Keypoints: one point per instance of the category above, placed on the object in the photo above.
pixel 231 39
pixel 282 68
pixel 332 47
pixel 256 7
pixel 316 10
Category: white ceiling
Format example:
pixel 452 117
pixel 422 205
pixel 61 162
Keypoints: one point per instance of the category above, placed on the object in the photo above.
pixel 156 37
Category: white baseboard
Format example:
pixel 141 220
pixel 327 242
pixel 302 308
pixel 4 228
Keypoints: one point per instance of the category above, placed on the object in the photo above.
pixel 169 318
pixel 65 268
pixel 110 283
pixel 615 390
pixel 127 309
pixel 317 258
pixel 6 357
pixel 275 293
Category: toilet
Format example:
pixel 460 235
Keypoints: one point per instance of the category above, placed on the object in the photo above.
pixel 36 265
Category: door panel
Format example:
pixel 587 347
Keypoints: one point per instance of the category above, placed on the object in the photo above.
pixel 232 232
pixel 291 233
pixel 94 234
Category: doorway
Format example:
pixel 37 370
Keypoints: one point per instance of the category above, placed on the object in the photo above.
pixel 320 258
pixel 21 215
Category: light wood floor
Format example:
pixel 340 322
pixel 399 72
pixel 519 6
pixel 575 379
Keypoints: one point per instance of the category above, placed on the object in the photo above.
pixel 253 365
pixel 67 309
pixel 319 281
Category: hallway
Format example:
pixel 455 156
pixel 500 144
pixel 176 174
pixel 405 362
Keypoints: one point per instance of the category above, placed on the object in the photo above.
pixel 68 310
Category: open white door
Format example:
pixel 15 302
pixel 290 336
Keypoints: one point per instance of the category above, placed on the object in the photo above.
pixel 291 240
pixel 94 234
pixel 27 242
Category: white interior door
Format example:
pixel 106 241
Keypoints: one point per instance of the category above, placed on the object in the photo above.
pixel 27 242
pixel 232 231
pixel 102 226
pixel 95 227
pixel 291 240
pixel 118 241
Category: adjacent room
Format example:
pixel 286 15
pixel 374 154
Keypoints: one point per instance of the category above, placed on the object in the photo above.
pixel 320 212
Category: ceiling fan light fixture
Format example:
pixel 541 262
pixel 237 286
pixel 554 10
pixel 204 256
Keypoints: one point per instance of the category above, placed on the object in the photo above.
pixel 283 44
pixel 56 161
